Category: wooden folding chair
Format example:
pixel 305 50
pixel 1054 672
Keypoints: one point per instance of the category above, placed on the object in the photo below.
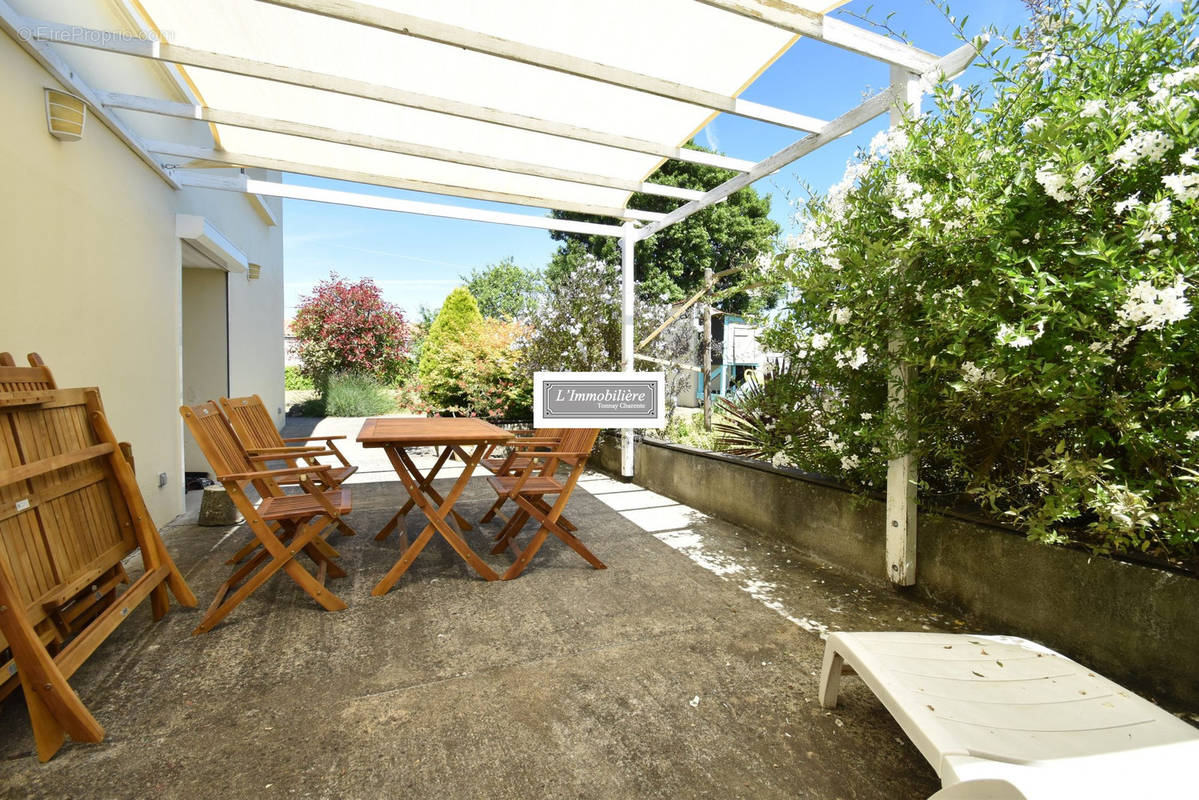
pixel 528 491
pixel 254 427
pixel 516 461
pixel 258 435
pixel 283 525
pixel 70 512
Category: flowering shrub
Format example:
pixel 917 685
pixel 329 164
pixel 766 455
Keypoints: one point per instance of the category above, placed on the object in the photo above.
pixel 348 327
pixel 576 323
pixel 479 373
pixel 1031 252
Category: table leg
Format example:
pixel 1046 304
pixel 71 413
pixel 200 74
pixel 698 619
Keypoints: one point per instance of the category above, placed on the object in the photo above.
pixel 426 485
pixel 436 514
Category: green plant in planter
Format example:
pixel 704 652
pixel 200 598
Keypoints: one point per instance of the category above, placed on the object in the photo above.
pixel 1030 250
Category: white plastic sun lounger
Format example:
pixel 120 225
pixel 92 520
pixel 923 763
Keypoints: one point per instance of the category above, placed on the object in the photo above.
pixel 1003 718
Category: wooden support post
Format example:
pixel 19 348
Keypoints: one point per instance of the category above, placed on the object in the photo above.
pixel 902 471
pixel 627 244
pixel 707 346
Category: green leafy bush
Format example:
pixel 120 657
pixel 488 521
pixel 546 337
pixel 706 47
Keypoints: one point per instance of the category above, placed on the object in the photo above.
pixel 356 395
pixel 295 381
pixel 1030 250
pixel 457 323
pixel 481 370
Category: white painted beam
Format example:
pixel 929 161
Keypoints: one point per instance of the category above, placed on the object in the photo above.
pixel 430 30
pixel 164 51
pixel 153 105
pixel 903 470
pixel 628 311
pixel 19 30
pixel 207 154
pixel 948 66
pixel 243 184
pixel 814 25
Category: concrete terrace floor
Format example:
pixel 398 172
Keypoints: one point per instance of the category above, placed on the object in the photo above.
pixel 687 669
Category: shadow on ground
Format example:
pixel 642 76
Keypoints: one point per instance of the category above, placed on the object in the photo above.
pixel 686 669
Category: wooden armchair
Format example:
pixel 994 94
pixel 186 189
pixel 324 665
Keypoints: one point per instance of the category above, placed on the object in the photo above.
pixel 528 491
pixel 283 525
pixel 254 427
pixel 517 460
pixel 70 513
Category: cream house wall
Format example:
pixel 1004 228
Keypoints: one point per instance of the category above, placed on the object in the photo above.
pixel 90 264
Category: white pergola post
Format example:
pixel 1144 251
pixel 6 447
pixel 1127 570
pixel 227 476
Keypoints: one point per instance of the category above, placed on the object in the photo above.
pixel 628 243
pixel 902 470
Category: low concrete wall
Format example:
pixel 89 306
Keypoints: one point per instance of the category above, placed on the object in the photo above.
pixel 1136 624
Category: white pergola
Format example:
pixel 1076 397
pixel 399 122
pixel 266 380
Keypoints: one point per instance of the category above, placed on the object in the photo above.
pixel 557 105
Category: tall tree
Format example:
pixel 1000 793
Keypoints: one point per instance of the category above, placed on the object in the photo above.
pixel 671 263
pixel 504 290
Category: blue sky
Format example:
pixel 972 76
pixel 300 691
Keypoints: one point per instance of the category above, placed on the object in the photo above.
pixel 417 260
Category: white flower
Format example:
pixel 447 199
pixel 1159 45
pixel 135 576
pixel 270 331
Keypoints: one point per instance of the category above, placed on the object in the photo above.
pixel 1150 308
pixel 1151 145
pixel 1091 108
pixel 975 374
pixel 1130 202
pixel 840 315
pixel 1190 158
pixel 850 462
pixel 1159 212
pixel 1053 182
pixel 1192 435
pixel 853 359
pixel 867 416
pixel 1007 336
pixel 1033 124
pixel 829 260
pixel 1180 77
pixel 1185 186
pixel 819 341
pixel 1083 176
pixel 780 459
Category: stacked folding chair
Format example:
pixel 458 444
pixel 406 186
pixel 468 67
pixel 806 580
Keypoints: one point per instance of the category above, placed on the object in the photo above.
pixel 70 513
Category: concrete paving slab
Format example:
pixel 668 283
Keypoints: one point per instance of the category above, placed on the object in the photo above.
pixel 686 669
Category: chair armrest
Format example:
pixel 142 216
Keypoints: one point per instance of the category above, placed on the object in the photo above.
pixel 312 438
pixel 284 451
pixel 551 453
pixel 278 453
pixel 274 473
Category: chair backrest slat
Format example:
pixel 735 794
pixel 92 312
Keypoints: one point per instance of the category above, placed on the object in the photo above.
pixel 252 422
pixel 216 439
pixel 35 377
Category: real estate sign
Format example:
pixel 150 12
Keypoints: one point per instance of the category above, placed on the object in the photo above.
pixel 599 399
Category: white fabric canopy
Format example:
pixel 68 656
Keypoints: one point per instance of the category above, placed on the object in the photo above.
pixel 678 40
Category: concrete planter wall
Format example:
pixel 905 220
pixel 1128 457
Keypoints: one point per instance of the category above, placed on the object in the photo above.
pixel 1136 624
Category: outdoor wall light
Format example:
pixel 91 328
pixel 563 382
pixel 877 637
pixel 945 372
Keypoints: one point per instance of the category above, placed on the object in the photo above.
pixel 65 115
pixel 253 271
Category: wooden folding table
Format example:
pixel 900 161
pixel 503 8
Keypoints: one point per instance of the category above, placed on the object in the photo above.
pixel 468 437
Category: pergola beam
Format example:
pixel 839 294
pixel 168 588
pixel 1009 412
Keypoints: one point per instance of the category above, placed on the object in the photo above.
pixel 442 33
pixel 17 27
pixel 820 27
pixel 880 104
pixel 252 186
pixel 153 105
pixel 110 42
pixel 225 158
